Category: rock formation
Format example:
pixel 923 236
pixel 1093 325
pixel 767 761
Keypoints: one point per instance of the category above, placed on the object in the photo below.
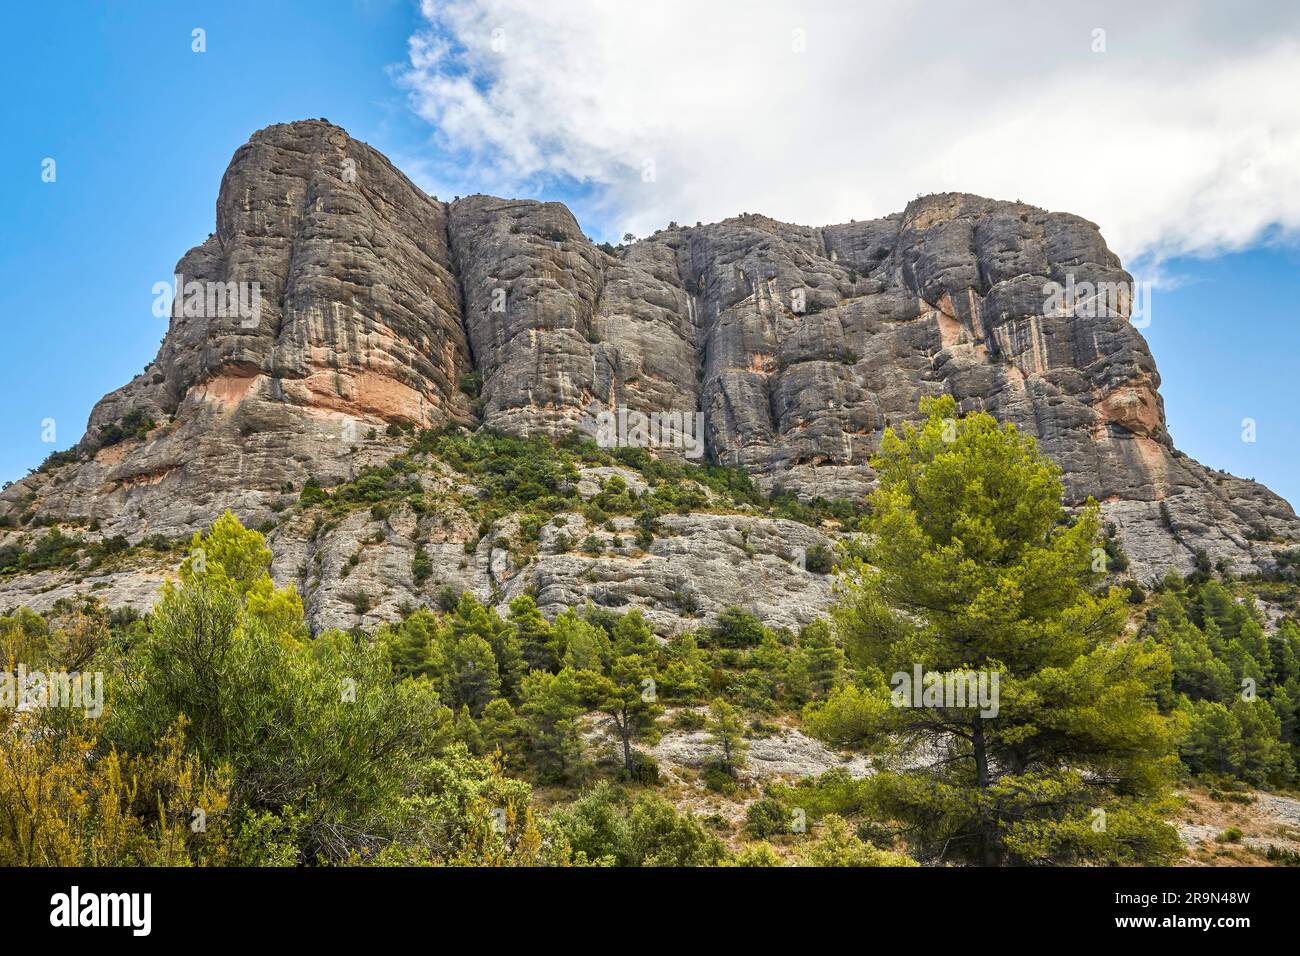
pixel 799 345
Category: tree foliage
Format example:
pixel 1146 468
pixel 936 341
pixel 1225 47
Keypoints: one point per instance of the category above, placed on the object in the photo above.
pixel 972 567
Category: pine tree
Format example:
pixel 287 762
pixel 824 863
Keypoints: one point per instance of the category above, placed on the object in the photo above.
pixel 628 689
pixel 578 644
pixel 552 704
pixel 1213 743
pixel 726 730
pixel 817 665
pixel 533 633
pixel 472 620
pixel 971 569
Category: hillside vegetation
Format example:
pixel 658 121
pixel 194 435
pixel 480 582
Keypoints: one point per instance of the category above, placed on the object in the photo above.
pixel 464 735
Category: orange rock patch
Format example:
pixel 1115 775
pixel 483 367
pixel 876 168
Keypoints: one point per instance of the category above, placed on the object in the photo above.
pixel 361 392
pixel 228 389
pixel 1132 406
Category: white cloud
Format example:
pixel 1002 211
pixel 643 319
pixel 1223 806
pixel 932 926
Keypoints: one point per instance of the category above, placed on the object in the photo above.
pixel 1183 136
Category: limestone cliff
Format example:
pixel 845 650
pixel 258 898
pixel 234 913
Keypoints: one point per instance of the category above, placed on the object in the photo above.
pixel 381 305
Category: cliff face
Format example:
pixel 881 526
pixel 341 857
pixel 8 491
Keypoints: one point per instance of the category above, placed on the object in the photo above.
pixel 799 345
pixel 359 321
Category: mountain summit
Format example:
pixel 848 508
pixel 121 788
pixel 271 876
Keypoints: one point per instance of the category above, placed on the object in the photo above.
pixel 338 309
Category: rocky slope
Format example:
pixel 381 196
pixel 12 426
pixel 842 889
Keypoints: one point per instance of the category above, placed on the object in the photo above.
pixel 380 305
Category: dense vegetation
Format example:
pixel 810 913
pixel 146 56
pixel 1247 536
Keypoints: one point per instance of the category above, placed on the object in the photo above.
pixel 534 478
pixel 461 735
pixel 56 549
pixel 135 424
pixel 972 566
pixel 538 477
pixel 1238 688
pixel 341 749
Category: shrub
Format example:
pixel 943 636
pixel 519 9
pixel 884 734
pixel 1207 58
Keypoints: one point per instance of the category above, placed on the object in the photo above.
pixel 738 628
pixel 312 493
pixel 1116 558
pixel 833 792
pixel 448 598
pixel 57 459
pixel 766 817
pixel 134 424
pixel 756 855
pixel 687 719
pixel 1136 592
pixel 471 383
pixel 837 846
pixel 1282 856
pixel 61 805
pixel 645 770
pixel 421 565
pixel 660 836
pixel 720 779
pixel 819 559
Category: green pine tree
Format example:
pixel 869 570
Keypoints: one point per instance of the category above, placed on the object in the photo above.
pixel 971 565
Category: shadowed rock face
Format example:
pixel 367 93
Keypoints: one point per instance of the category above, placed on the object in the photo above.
pixel 800 346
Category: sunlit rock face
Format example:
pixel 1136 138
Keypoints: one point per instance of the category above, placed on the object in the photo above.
pixel 357 324
pixel 376 304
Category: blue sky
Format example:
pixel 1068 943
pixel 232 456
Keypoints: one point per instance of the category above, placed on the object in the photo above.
pixel 141 129
pixel 1226 339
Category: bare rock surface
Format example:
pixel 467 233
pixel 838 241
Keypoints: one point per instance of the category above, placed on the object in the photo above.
pixel 789 754
pixel 135 588
pixel 380 305
pixel 699 565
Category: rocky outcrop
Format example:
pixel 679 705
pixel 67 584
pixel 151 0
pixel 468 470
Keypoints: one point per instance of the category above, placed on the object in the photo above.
pixel 790 755
pixel 354 321
pixel 360 570
pixel 379 305
pixel 560 328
